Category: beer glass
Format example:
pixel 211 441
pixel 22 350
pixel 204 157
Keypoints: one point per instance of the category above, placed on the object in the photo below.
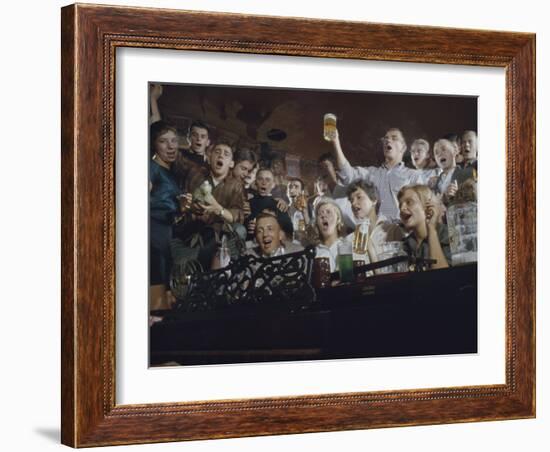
pixel 301 203
pixel 329 126
pixel 389 250
pixel 462 222
pixel 361 237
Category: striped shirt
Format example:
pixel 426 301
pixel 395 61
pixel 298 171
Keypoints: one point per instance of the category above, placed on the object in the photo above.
pixel 388 182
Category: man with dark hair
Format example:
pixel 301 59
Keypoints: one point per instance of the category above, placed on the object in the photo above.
pixel 298 188
pixel 199 139
pixel 245 160
pixel 217 208
pixel 297 210
pixel 469 149
pixel 327 168
pixel 196 156
pixel 227 193
pixel 326 163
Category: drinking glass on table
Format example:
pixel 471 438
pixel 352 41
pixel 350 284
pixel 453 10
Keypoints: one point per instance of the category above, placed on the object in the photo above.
pixel 389 250
pixel 345 261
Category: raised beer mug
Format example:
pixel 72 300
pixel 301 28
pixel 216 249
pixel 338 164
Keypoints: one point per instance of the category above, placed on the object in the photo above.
pixel 329 126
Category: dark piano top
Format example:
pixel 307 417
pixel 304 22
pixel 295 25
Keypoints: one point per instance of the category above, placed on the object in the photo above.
pixel 397 314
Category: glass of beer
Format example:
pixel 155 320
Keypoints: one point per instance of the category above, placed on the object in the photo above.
pixel 301 203
pixel 329 126
pixel 361 237
pixel 345 261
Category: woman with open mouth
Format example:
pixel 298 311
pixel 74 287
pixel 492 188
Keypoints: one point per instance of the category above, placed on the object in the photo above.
pixel 373 230
pixel 329 229
pixel 164 208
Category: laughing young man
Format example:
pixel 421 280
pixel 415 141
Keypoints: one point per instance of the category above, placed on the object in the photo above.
pixel 270 237
pixel 216 200
pixel 199 140
pixel 469 149
pixel 297 209
pixel 451 177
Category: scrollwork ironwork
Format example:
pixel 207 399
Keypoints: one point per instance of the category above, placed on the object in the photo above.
pixel 250 280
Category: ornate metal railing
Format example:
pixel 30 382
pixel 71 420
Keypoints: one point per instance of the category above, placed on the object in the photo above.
pixel 282 280
pixel 249 280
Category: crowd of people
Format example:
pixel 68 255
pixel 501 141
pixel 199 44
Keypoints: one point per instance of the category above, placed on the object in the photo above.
pixel 211 203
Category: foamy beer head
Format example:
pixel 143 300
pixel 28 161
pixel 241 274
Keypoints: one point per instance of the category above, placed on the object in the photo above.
pixel 329 126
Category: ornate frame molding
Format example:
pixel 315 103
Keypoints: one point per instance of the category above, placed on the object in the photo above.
pixel 90 36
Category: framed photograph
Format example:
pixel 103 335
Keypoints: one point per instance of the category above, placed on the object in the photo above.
pixel 245 290
pixel 319 202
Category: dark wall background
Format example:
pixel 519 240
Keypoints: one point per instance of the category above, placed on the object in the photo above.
pixel 251 116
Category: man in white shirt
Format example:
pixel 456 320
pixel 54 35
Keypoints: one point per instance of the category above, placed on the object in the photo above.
pixel 388 178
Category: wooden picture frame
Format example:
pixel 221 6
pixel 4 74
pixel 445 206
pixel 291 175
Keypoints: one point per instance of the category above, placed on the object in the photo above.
pixel 90 37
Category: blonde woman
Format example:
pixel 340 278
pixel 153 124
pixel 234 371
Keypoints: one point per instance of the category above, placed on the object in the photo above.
pixel 421 212
pixel 328 230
